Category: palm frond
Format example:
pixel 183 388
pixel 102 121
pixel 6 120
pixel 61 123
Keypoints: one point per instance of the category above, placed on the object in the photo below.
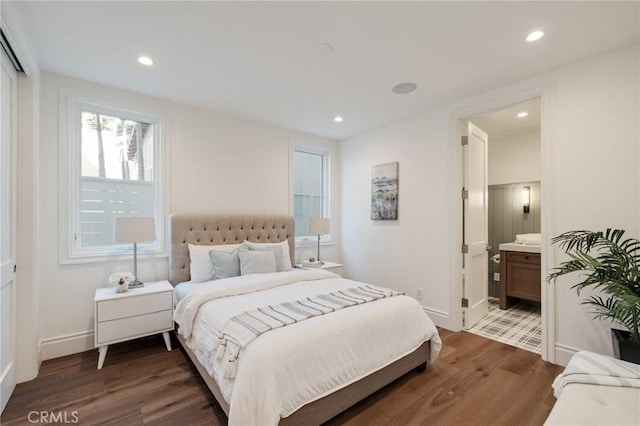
pixel 610 264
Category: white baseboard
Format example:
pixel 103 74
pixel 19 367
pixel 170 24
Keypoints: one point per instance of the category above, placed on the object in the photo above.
pixel 564 354
pixel 439 318
pixel 56 347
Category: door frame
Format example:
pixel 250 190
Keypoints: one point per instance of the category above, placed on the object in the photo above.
pixel 8 378
pixel 487 103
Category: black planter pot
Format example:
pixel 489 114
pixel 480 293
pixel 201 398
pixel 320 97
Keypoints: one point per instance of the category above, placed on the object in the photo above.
pixel 623 348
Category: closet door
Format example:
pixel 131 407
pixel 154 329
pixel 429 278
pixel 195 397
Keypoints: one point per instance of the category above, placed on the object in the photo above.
pixel 8 85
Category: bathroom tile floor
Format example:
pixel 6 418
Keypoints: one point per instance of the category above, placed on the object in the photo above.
pixel 518 326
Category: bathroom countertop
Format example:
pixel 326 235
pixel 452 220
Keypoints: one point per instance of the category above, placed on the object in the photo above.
pixel 527 248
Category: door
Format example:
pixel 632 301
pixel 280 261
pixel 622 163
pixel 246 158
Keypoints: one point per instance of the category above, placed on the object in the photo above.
pixel 475 225
pixel 8 84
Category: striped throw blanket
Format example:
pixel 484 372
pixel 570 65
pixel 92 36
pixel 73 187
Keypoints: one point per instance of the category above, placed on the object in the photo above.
pixel 587 367
pixel 241 329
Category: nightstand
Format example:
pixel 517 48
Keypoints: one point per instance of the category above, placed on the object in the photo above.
pixel 336 268
pixel 135 313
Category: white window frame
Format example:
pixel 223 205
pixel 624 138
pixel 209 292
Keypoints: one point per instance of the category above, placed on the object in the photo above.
pixel 72 103
pixel 326 152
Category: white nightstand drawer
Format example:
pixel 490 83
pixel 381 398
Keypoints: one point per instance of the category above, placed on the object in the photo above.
pixel 135 313
pixel 132 306
pixel 335 270
pixel 110 331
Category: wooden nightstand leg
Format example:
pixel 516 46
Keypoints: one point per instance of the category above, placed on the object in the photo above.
pixel 167 340
pixel 102 351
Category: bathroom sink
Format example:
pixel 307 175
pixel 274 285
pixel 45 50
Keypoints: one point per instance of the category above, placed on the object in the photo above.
pixel 528 248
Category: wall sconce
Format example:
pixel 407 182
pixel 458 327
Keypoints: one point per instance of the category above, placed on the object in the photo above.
pixel 526 198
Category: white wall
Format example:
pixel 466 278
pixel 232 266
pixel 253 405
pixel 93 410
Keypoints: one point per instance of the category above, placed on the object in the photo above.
pixel 218 164
pixel 514 157
pixel 595 153
pixel 407 253
pixel 596 185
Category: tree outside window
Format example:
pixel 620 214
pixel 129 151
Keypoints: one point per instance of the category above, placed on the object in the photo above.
pixel 116 174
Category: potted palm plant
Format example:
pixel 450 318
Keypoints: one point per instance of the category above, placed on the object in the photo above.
pixel 611 265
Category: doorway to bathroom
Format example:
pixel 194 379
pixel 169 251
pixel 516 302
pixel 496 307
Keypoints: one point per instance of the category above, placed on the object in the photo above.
pixel 513 228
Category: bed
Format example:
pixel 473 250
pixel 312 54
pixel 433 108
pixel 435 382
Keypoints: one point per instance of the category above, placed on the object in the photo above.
pixel 304 373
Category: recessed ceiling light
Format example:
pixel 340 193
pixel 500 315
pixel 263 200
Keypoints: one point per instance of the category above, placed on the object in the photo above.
pixel 535 35
pixel 338 119
pixel 324 48
pixel 145 60
pixel 403 88
pixel 522 114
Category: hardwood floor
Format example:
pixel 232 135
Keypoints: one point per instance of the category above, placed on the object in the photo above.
pixel 474 381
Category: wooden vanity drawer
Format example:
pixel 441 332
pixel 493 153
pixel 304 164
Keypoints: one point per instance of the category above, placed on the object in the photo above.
pixel 523 281
pixel 520 277
pixel 514 256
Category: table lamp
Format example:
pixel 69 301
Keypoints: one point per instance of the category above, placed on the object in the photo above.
pixel 319 226
pixel 135 230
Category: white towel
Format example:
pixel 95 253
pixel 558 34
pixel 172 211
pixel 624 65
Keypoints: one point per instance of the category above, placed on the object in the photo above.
pixel 529 239
pixel 590 368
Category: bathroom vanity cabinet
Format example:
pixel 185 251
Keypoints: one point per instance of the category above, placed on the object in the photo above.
pixel 519 277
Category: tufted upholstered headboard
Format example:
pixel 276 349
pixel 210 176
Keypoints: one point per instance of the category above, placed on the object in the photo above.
pixel 185 229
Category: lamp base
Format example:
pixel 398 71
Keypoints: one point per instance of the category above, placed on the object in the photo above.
pixel 136 283
pixel 318 258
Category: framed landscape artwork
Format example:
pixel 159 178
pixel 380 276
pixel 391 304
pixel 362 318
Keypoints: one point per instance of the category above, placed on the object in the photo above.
pixel 384 191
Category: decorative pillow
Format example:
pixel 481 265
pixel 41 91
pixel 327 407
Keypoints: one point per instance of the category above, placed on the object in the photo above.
pixel 257 262
pixel 281 265
pixel 201 266
pixel 284 245
pixel 225 264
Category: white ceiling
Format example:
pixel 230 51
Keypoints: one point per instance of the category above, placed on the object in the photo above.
pixel 506 120
pixel 259 59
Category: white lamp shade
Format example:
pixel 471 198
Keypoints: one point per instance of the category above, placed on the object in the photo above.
pixel 526 195
pixel 319 226
pixel 135 229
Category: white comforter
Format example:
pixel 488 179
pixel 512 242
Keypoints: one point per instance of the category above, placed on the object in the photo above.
pixel 286 368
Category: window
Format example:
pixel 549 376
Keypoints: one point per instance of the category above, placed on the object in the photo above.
pixel 114 171
pixel 310 187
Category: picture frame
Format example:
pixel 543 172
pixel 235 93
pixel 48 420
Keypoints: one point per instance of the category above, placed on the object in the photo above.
pixel 384 191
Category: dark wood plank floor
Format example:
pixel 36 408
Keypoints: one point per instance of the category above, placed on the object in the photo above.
pixel 474 381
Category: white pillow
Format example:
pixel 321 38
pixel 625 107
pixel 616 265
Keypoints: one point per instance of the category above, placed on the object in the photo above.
pixel 257 262
pixel 277 251
pixel 285 251
pixel 201 266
